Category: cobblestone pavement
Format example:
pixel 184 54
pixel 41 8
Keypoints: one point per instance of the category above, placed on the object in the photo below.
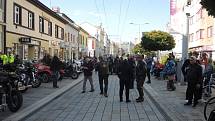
pixel 33 95
pixel 91 106
pixel 173 102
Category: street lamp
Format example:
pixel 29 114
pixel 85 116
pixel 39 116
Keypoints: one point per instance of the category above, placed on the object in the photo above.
pixel 139 28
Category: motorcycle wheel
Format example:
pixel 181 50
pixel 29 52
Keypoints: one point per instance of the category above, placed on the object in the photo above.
pixel 44 78
pixel 36 83
pixel 74 75
pixel 14 101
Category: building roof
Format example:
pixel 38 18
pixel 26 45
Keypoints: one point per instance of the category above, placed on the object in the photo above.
pixel 40 5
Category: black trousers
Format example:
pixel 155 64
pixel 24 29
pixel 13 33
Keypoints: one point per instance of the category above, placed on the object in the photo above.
pixel 192 92
pixel 148 74
pixel 124 83
pixel 140 82
pixel 103 80
pixel 55 76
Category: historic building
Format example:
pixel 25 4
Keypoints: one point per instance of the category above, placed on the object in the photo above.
pixel 2 24
pixel 33 29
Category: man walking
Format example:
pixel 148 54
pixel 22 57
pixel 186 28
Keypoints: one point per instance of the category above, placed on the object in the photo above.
pixel 140 78
pixel 55 67
pixel 103 73
pixel 125 75
pixel 88 68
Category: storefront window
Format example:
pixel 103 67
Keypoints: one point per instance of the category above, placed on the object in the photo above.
pixel 1 39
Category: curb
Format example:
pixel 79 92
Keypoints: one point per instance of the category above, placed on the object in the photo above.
pixel 23 114
pixel 155 98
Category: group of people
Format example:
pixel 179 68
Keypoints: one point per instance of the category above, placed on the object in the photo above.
pixel 127 70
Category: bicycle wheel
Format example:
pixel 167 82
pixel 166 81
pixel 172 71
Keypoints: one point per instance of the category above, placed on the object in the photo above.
pixel 209 106
pixel 207 92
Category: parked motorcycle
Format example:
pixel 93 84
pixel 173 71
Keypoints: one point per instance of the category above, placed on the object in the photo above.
pixel 44 73
pixel 10 95
pixel 27 72
pixel 69 71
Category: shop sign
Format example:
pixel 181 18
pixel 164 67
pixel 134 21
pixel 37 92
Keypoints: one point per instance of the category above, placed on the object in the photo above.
pixel 25 40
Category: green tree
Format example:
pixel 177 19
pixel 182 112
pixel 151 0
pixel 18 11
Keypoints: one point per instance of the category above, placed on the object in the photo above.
pixel 209 6
pixel 138 49
pixel 157 40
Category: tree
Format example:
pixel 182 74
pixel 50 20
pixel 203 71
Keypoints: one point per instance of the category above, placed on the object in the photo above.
pixel 157 40
pixel 138 49
pixel 209 6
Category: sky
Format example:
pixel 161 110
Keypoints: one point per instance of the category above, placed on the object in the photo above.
pixel 116 15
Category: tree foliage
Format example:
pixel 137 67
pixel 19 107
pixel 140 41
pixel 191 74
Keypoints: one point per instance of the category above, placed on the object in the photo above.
pixel 138 49
pixel 157 40
pixel 209 6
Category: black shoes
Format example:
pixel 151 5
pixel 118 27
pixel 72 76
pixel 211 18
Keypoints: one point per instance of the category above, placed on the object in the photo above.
pixel 105 94
pixel 148 82
pixel 55 86
pixel 83 92
pixel 92 90
pixel 188 103
pixel 194 104
pixel 139 99
pixel 128 101
pixel 101 93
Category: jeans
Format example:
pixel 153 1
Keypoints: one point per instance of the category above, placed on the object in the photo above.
pixel 85 81
pixel 103 79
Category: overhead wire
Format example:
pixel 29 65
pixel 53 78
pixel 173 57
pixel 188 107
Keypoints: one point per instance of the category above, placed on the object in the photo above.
pixel 119 19
pixel 98 11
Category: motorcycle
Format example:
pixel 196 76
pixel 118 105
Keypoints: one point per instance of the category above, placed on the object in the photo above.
pixel 10 96
pixel 69 71
pixel 44 73
pixel 28 76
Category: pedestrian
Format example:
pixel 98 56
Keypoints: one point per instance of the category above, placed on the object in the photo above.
pixel 132 78
pixel 125 75
pixel 148 61
pixel 110 64
pixel 88 68
pixel 207 73
pixel 170 72
pixel 140 77
pixel 194 79
pixel 55 67
pixel 184 68
pixel 103 73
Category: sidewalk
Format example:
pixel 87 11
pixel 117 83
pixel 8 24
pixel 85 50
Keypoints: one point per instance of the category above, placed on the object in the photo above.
pixel 172 102
pixel 45 92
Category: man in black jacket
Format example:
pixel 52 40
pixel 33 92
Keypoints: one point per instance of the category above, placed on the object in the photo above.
pixel 125 75
pixel 88 68
pixel 194 79
pixel 140 78
pixel 55 67
pixel 103 73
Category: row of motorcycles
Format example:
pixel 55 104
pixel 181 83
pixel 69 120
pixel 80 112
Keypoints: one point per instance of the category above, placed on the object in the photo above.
pixel 17 79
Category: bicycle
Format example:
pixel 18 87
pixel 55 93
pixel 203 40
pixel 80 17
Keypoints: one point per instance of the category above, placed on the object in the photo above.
pixel 207 89
pixel 209 110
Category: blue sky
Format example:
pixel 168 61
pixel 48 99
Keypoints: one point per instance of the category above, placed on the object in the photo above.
pixel 115 15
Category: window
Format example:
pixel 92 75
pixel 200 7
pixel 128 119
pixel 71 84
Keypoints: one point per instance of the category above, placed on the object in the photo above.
pixel 197 35
pixel 50 28
pixel 56 31
pixel 30 20
pixel 191 37
pixel 210 31
pixel 71 38
pixel 17 14
pixel 62 33
pixel 68 37
pixel 201 33
pixel 41 25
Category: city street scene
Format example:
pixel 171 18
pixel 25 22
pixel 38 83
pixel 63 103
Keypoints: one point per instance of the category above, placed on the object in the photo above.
pixel 107 60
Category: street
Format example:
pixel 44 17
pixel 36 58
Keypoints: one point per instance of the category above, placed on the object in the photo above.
pixel 159 104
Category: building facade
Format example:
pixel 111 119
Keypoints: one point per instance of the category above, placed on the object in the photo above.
pixel 33 30
pixel 83 43
pixel 2 24
pixel 71 38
